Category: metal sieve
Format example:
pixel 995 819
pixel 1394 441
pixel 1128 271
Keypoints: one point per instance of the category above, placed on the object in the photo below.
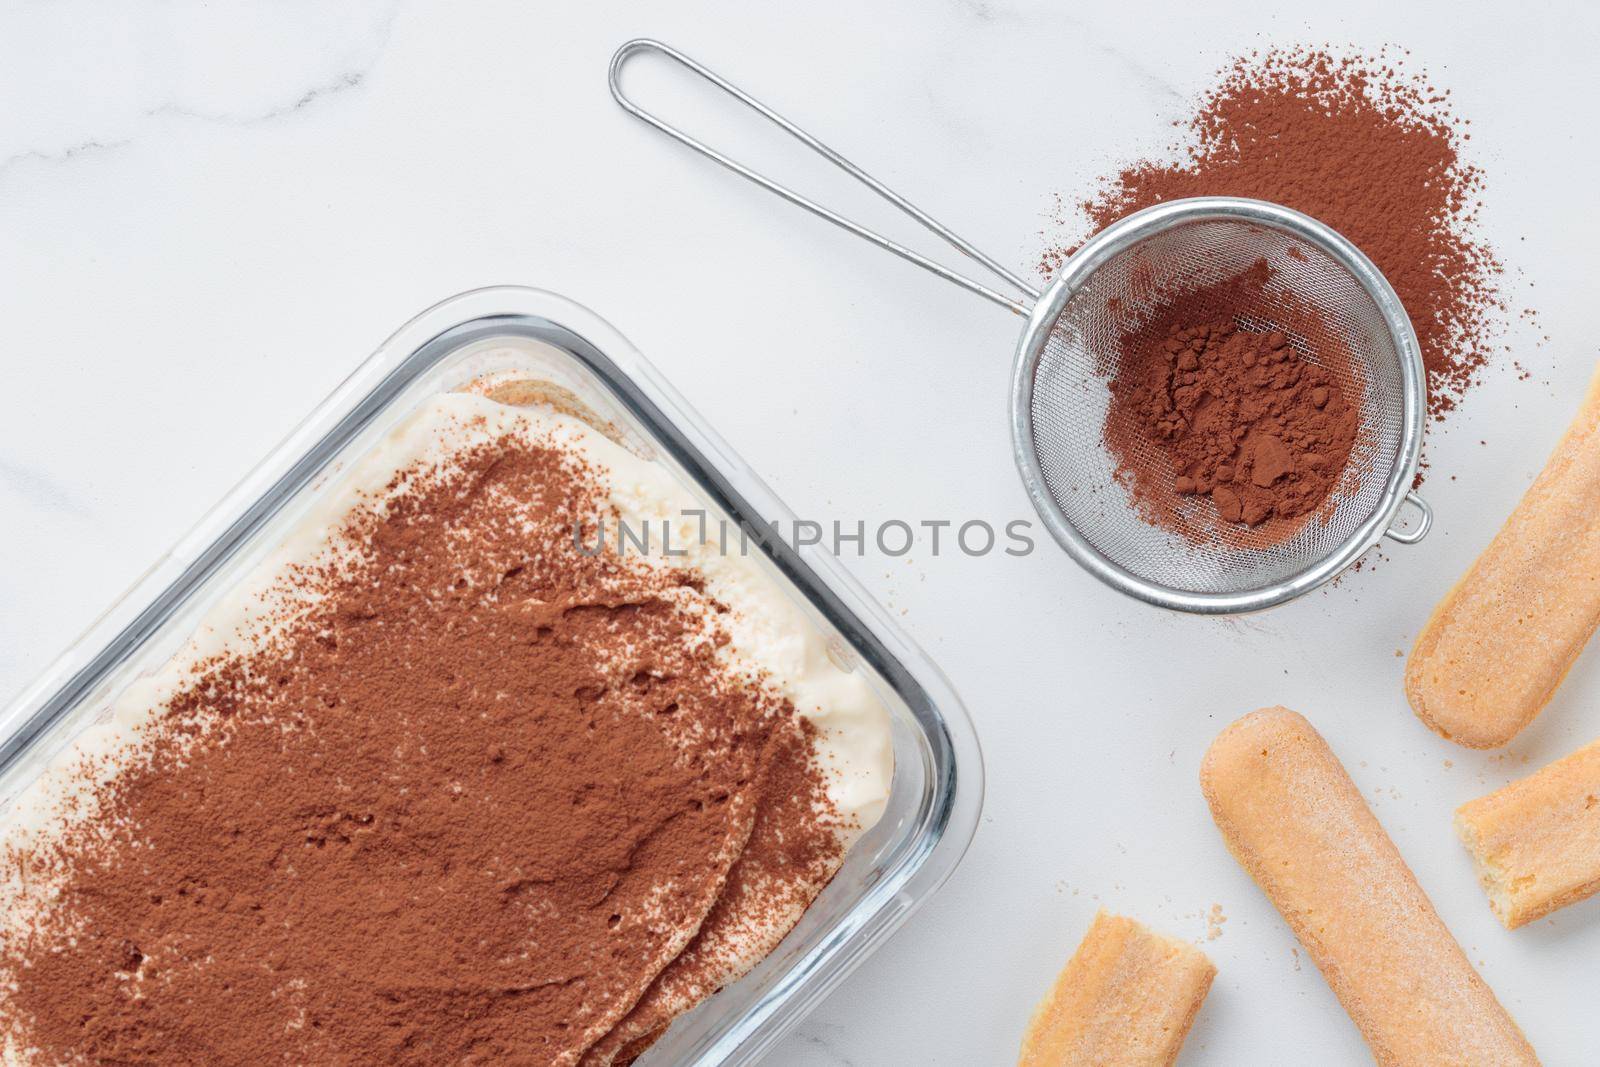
pixel 1060 398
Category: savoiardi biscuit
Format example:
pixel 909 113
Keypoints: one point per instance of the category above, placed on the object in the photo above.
pixel 1296 822
pixel 1501 641
pixel 1536 842
pixel 1126 999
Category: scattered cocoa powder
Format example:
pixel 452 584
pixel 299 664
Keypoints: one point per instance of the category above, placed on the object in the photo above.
pixel 1372 152
pixel 463 805
pixel 1237 413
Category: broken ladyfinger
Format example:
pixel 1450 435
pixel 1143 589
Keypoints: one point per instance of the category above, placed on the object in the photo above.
pixel 1501 641
pixel 1126 999
pixel 1295 821
pixel 1536 842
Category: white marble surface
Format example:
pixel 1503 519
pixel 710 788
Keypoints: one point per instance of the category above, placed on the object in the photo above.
pixel 212 211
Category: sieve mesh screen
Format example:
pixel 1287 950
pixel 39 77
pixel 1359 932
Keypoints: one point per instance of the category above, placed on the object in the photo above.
pixel 1314 299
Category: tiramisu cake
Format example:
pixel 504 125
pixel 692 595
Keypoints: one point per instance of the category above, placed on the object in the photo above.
pixel 440 782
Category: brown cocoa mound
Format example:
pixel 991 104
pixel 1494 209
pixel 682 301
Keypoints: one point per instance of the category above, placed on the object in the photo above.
pixel 1232 412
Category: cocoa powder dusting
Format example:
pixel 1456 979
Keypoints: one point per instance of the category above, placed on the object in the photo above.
pixel 775 880
pixel 1239 414
pixel 465 804
pixel 1366 149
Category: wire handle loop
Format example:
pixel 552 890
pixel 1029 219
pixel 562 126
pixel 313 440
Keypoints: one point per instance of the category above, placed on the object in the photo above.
pixel 644 44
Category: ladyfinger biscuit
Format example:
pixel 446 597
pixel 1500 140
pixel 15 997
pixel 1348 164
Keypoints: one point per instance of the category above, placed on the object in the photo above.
pixel 1125 999
pixel 1296 822
pixel 1537 842
pixel 1499 644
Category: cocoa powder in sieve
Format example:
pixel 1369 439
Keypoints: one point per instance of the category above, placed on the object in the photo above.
pixel 1366 149
pixel 464 805
pixel 1239 414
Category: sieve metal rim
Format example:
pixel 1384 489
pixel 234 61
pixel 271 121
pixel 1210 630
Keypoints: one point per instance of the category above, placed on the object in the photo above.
pixel 1118 238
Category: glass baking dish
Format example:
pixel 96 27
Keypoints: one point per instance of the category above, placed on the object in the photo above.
pixel 938 780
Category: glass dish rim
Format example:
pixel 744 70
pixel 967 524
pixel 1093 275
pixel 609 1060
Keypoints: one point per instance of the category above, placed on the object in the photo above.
pixel 946 825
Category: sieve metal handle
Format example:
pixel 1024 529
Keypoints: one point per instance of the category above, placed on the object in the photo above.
pixel 1420 530
pixel 645 44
